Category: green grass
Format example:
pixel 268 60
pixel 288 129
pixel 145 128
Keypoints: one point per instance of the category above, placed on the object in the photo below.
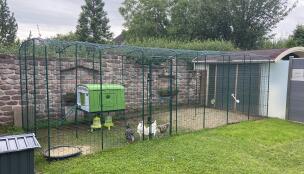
pixel 264 146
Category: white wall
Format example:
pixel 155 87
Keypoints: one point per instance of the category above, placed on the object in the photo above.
pixel 278 83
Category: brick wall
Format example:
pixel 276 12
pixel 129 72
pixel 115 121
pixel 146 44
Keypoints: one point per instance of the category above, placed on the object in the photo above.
pixel 9 88
pixel 64 72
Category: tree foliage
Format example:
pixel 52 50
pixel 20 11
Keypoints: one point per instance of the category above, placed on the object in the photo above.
pixel 8 25
pixel 71 36
pixel 245 23
pixel 215 45
pixel 297 38
pixel 93 23
pixel 145 18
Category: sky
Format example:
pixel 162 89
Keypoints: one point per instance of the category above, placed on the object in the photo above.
pixel 60 16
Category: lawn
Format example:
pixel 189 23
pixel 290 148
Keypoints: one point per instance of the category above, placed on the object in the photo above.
pixel 263 146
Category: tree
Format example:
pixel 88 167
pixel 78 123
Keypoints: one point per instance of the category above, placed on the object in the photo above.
pixel 93 23
pixel 71 36
pixel 199 19
pixel 145 18
pixel 297 38
pixel 8 25
pixel 243 22
pixel 253 20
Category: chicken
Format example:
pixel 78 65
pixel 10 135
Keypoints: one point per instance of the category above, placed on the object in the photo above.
pixel 163 128
pixel 142 128
pixel 129 133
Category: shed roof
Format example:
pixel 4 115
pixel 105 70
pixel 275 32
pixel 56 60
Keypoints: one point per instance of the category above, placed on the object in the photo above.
pixel 14 143
pixel 255 56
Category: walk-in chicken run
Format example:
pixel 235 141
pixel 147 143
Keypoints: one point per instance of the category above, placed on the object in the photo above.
pixel 80 98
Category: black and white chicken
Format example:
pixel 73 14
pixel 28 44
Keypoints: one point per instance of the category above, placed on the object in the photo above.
pixel 163 128
pixel 129 133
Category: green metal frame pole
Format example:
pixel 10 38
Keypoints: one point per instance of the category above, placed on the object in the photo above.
pixel 94 76
pixel 47 98
pixel 34 83
pixel 196 93
pixel 223 78
pixel 171 94
pixel 143 93
pixel 268 90
pixel 26 88
pixel 205 91
pixel 176 90
pixel 150 99
pixel 249 97
pixel 228 88
pixel 60 79
pixel 100 98
pixel 76 81
pixel 243 84
pixel 21 84
pixel 122 71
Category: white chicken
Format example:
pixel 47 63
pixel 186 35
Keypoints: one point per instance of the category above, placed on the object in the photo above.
pixel 141 128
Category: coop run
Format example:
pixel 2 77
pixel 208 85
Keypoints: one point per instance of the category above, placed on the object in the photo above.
pixel 93 97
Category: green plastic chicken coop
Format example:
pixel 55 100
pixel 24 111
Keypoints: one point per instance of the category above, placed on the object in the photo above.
pixel 88 97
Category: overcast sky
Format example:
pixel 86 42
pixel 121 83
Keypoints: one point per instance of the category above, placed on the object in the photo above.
pixel 60 16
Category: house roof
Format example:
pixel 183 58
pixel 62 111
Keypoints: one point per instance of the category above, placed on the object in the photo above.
pixel 14 143
pixel 119 39
pixel 254 56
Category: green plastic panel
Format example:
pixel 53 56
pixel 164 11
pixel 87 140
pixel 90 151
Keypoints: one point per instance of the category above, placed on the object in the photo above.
pixel 113 97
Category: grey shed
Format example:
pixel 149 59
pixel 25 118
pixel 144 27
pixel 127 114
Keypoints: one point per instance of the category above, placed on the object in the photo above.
pixel 17 153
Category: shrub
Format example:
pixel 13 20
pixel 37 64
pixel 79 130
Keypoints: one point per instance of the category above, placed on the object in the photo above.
pixel 210 45
pixel 9 49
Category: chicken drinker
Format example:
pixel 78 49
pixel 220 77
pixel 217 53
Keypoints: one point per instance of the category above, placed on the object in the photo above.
pixel 108 122
pixel 96 123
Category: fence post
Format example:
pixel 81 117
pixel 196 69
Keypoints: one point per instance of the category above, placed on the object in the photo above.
pixel 143 94
pixel 268 85
pixel 34 83
pixel 176 90
pixel 47 98
pixel 76 79
pixel 223 78
pixel 249 97
pixel 26 88
pixel 150 99
pixel 100 98
pixel 243 84
pixel 21 83
pixel 228 88
pixel 94 76
pixel 171 95
pixel 205 91
pixel 60 79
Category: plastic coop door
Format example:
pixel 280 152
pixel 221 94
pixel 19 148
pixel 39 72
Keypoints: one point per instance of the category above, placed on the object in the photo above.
pixel 83 98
